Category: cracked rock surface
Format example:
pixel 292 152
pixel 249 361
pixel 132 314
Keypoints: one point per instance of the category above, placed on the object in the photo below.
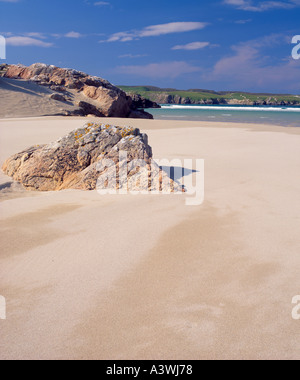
pixel 78 160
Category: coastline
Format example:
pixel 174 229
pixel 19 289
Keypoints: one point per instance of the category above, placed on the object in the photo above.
pixel 267 115
pixel 175 282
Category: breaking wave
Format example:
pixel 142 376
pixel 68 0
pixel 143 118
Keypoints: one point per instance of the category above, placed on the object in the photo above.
pixel 230 108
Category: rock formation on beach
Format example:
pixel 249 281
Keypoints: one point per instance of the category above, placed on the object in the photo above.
pixel 88 158
pixel 141 102
pixel 106 99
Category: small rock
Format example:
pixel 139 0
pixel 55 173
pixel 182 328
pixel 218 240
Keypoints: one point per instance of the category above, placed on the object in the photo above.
pixel 58 88
pixel 58 97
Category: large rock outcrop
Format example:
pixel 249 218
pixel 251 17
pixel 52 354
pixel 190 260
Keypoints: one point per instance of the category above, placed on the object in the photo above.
pixel 109 100
pixel 139 101
pixel 91 158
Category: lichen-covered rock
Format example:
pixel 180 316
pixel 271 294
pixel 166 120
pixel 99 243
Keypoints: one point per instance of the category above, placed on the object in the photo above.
pixel 78 160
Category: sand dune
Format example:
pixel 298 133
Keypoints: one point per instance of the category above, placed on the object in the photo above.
pixel 146 277
pixel 21 98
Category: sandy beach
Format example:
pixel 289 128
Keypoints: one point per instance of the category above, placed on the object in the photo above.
pixel 147 277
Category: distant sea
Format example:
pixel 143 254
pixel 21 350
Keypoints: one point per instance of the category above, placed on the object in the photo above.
pixel 283 116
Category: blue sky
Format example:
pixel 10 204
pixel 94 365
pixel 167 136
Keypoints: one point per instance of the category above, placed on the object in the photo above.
pixel 217 44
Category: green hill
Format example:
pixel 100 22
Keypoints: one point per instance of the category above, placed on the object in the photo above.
pixel 199 96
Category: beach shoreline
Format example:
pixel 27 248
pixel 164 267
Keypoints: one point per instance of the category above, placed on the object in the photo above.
pixel 266 115
pixel 147 277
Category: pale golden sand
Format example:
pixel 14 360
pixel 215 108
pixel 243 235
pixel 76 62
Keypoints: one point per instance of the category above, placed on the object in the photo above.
pixel 146 277
pixel 23 98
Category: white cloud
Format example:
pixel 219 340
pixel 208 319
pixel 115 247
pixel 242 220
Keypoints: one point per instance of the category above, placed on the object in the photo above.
pixel 6 34
pixel 73 35
pixel 35 35
pixel 243 22
pixel 248 67
pixel 261 6
pixel 192 46
pixel 27 41
pixel 157 30
pixel 159 70
pixel 133 55
pixel 101 3
pixel 174 27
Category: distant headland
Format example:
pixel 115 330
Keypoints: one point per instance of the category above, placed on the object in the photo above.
pixel 199 96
